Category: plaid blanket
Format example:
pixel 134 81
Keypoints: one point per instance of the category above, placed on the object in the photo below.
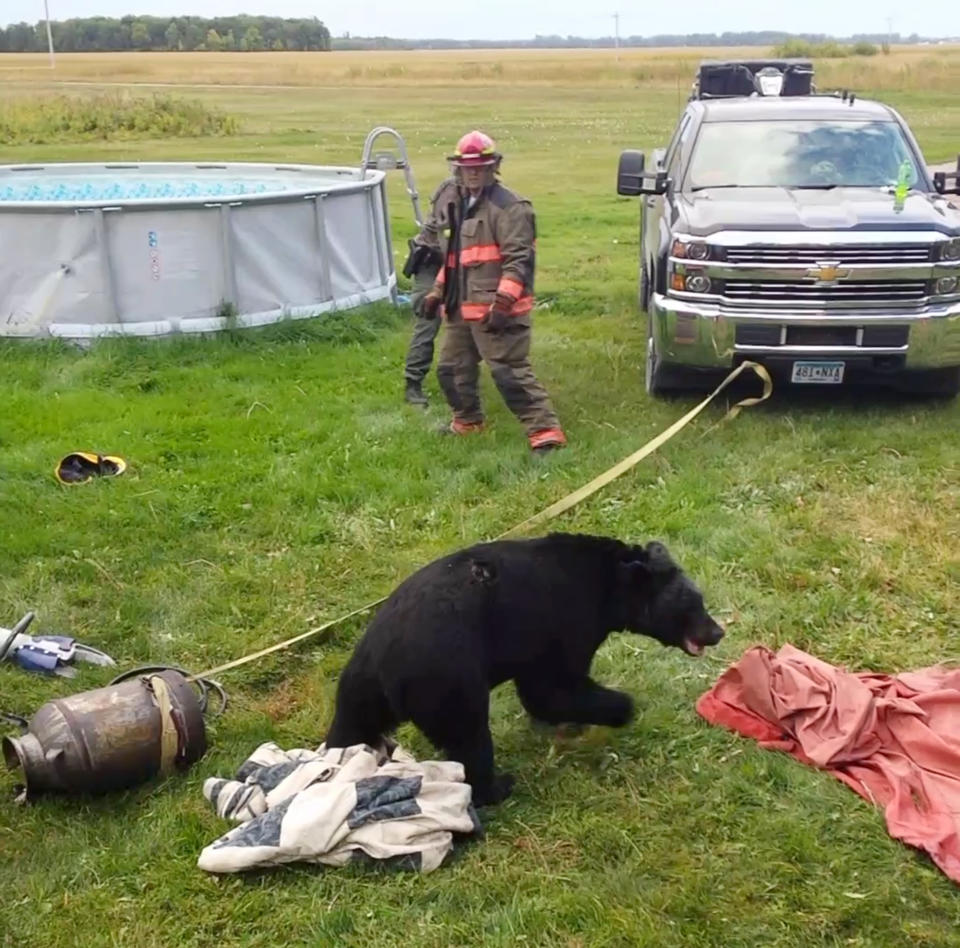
pixel 339 805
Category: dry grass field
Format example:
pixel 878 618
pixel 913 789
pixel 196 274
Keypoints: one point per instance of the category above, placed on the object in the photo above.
pixel 915 68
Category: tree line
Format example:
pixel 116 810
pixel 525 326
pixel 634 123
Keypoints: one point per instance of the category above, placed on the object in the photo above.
pixel 243 32
pixel 99 34
pixel 760 38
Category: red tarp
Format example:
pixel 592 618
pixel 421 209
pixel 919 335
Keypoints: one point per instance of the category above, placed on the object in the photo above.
pixel 893 739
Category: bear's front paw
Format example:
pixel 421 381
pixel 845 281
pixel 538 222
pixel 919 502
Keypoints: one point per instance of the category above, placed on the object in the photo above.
pixel 499 789
pixel 618 709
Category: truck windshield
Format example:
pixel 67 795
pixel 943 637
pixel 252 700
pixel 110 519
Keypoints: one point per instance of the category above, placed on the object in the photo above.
pixel 800 154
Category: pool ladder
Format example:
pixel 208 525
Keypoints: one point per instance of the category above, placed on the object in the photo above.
pixel 391 161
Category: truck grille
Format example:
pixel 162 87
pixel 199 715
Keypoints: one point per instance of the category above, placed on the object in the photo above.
pixel 808 292
pixel 866 254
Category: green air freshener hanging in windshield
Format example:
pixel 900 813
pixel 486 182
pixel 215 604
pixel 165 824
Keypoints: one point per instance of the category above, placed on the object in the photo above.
pixel 903 184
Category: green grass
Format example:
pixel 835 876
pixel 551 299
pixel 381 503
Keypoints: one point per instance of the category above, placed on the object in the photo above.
pixel 277 480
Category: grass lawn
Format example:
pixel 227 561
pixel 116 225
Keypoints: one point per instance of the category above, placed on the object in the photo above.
pixel 277 480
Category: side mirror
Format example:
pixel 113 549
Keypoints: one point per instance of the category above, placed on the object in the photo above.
pixel 946 182
pixel 633 179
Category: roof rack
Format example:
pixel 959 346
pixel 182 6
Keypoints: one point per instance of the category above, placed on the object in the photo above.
pixel 720 79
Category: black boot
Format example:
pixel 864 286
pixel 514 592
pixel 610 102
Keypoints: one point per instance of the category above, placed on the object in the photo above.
pixel 544 449
pixel 413 395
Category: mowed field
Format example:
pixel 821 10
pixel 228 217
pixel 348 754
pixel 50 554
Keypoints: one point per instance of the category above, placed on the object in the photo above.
pixel 277 480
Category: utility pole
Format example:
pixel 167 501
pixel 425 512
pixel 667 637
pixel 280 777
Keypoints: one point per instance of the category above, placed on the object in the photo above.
pixel 46 12
pixel 616 39
pixel 889 31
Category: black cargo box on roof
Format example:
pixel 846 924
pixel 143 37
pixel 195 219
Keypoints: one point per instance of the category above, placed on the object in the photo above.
pixel 725 79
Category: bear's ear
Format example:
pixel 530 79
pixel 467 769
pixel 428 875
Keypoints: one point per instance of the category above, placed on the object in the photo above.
pixel 483 571
pixel 634 566
pixel 641 564
pixel 659 558
pixel 632 572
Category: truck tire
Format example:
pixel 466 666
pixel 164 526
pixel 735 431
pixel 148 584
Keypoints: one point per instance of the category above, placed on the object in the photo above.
pixel 661 379
pixel 644 287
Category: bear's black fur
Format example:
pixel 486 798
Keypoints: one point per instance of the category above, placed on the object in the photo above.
pixel 534 611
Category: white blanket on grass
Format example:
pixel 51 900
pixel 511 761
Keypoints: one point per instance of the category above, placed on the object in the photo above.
pixel 338 805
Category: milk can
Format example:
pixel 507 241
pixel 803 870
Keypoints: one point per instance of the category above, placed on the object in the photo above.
pixel 110 738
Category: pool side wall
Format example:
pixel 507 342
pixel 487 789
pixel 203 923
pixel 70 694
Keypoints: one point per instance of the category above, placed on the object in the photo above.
pixel 165 266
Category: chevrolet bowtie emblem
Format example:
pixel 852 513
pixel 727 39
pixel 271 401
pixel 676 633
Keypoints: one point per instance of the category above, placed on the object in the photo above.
pixel 827 272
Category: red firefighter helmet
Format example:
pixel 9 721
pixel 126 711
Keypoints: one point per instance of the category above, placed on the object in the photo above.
pixel 475 150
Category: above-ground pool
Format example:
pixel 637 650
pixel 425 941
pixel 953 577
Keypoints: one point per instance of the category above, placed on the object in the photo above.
pixel 151 249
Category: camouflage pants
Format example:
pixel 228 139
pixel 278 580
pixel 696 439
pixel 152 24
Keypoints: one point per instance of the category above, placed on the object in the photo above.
pixel 420 352
pixel 507 353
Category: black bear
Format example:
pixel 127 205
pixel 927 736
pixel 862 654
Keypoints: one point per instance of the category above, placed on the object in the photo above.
pixel 534 611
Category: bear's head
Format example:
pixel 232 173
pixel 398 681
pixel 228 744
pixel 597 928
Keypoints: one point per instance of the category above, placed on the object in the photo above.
pixel 658 599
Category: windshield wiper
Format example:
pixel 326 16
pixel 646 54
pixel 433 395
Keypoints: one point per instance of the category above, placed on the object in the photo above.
pixel 712 187
pixel 785 187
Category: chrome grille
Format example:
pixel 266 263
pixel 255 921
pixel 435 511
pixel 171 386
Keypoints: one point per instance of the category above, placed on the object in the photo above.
pixel 811 256
pixel 862 294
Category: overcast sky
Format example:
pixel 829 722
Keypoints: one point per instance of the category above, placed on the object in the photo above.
pixel 502 19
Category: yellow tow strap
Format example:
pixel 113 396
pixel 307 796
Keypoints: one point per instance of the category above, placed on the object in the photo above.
pixel 169 739
pixel 554 510
pixel 582 493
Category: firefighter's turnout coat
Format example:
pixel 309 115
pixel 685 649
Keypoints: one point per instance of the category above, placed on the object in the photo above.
pixel 489 247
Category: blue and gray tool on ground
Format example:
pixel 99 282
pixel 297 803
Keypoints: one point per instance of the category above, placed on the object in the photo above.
pixel 46 653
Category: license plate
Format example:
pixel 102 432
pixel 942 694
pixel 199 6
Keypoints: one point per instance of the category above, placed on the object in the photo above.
pixel 819 373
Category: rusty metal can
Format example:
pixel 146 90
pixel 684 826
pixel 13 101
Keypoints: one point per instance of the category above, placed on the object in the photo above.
pixel 110 738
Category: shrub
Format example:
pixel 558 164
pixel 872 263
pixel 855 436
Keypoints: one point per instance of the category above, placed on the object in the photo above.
pixel 794 49
pixel 831 51
pixel 804 49
pixel 116 116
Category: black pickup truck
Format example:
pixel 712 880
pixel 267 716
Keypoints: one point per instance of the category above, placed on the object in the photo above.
pixel 796 229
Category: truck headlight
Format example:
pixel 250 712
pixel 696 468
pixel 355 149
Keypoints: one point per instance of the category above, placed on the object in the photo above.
pixel 686 279
pixel 690 250
pixel 700 283
pixel 950 250
pixel 946 285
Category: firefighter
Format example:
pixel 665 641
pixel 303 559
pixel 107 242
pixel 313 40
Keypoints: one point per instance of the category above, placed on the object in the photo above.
pixel 423 264
pixel 485 291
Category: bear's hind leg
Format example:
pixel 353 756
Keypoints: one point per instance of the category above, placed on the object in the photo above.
pixel 363 714
pixel 462 732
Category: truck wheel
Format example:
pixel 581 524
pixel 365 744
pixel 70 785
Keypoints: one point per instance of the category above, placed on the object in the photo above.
pixel 660 379
pixel 663 378
pixel 653 381
pixel 644 289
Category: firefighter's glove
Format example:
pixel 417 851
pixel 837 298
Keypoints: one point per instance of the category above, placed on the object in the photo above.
pixel 431 304
pixel 498 318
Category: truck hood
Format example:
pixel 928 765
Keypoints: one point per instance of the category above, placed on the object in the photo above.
pixel 706 212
